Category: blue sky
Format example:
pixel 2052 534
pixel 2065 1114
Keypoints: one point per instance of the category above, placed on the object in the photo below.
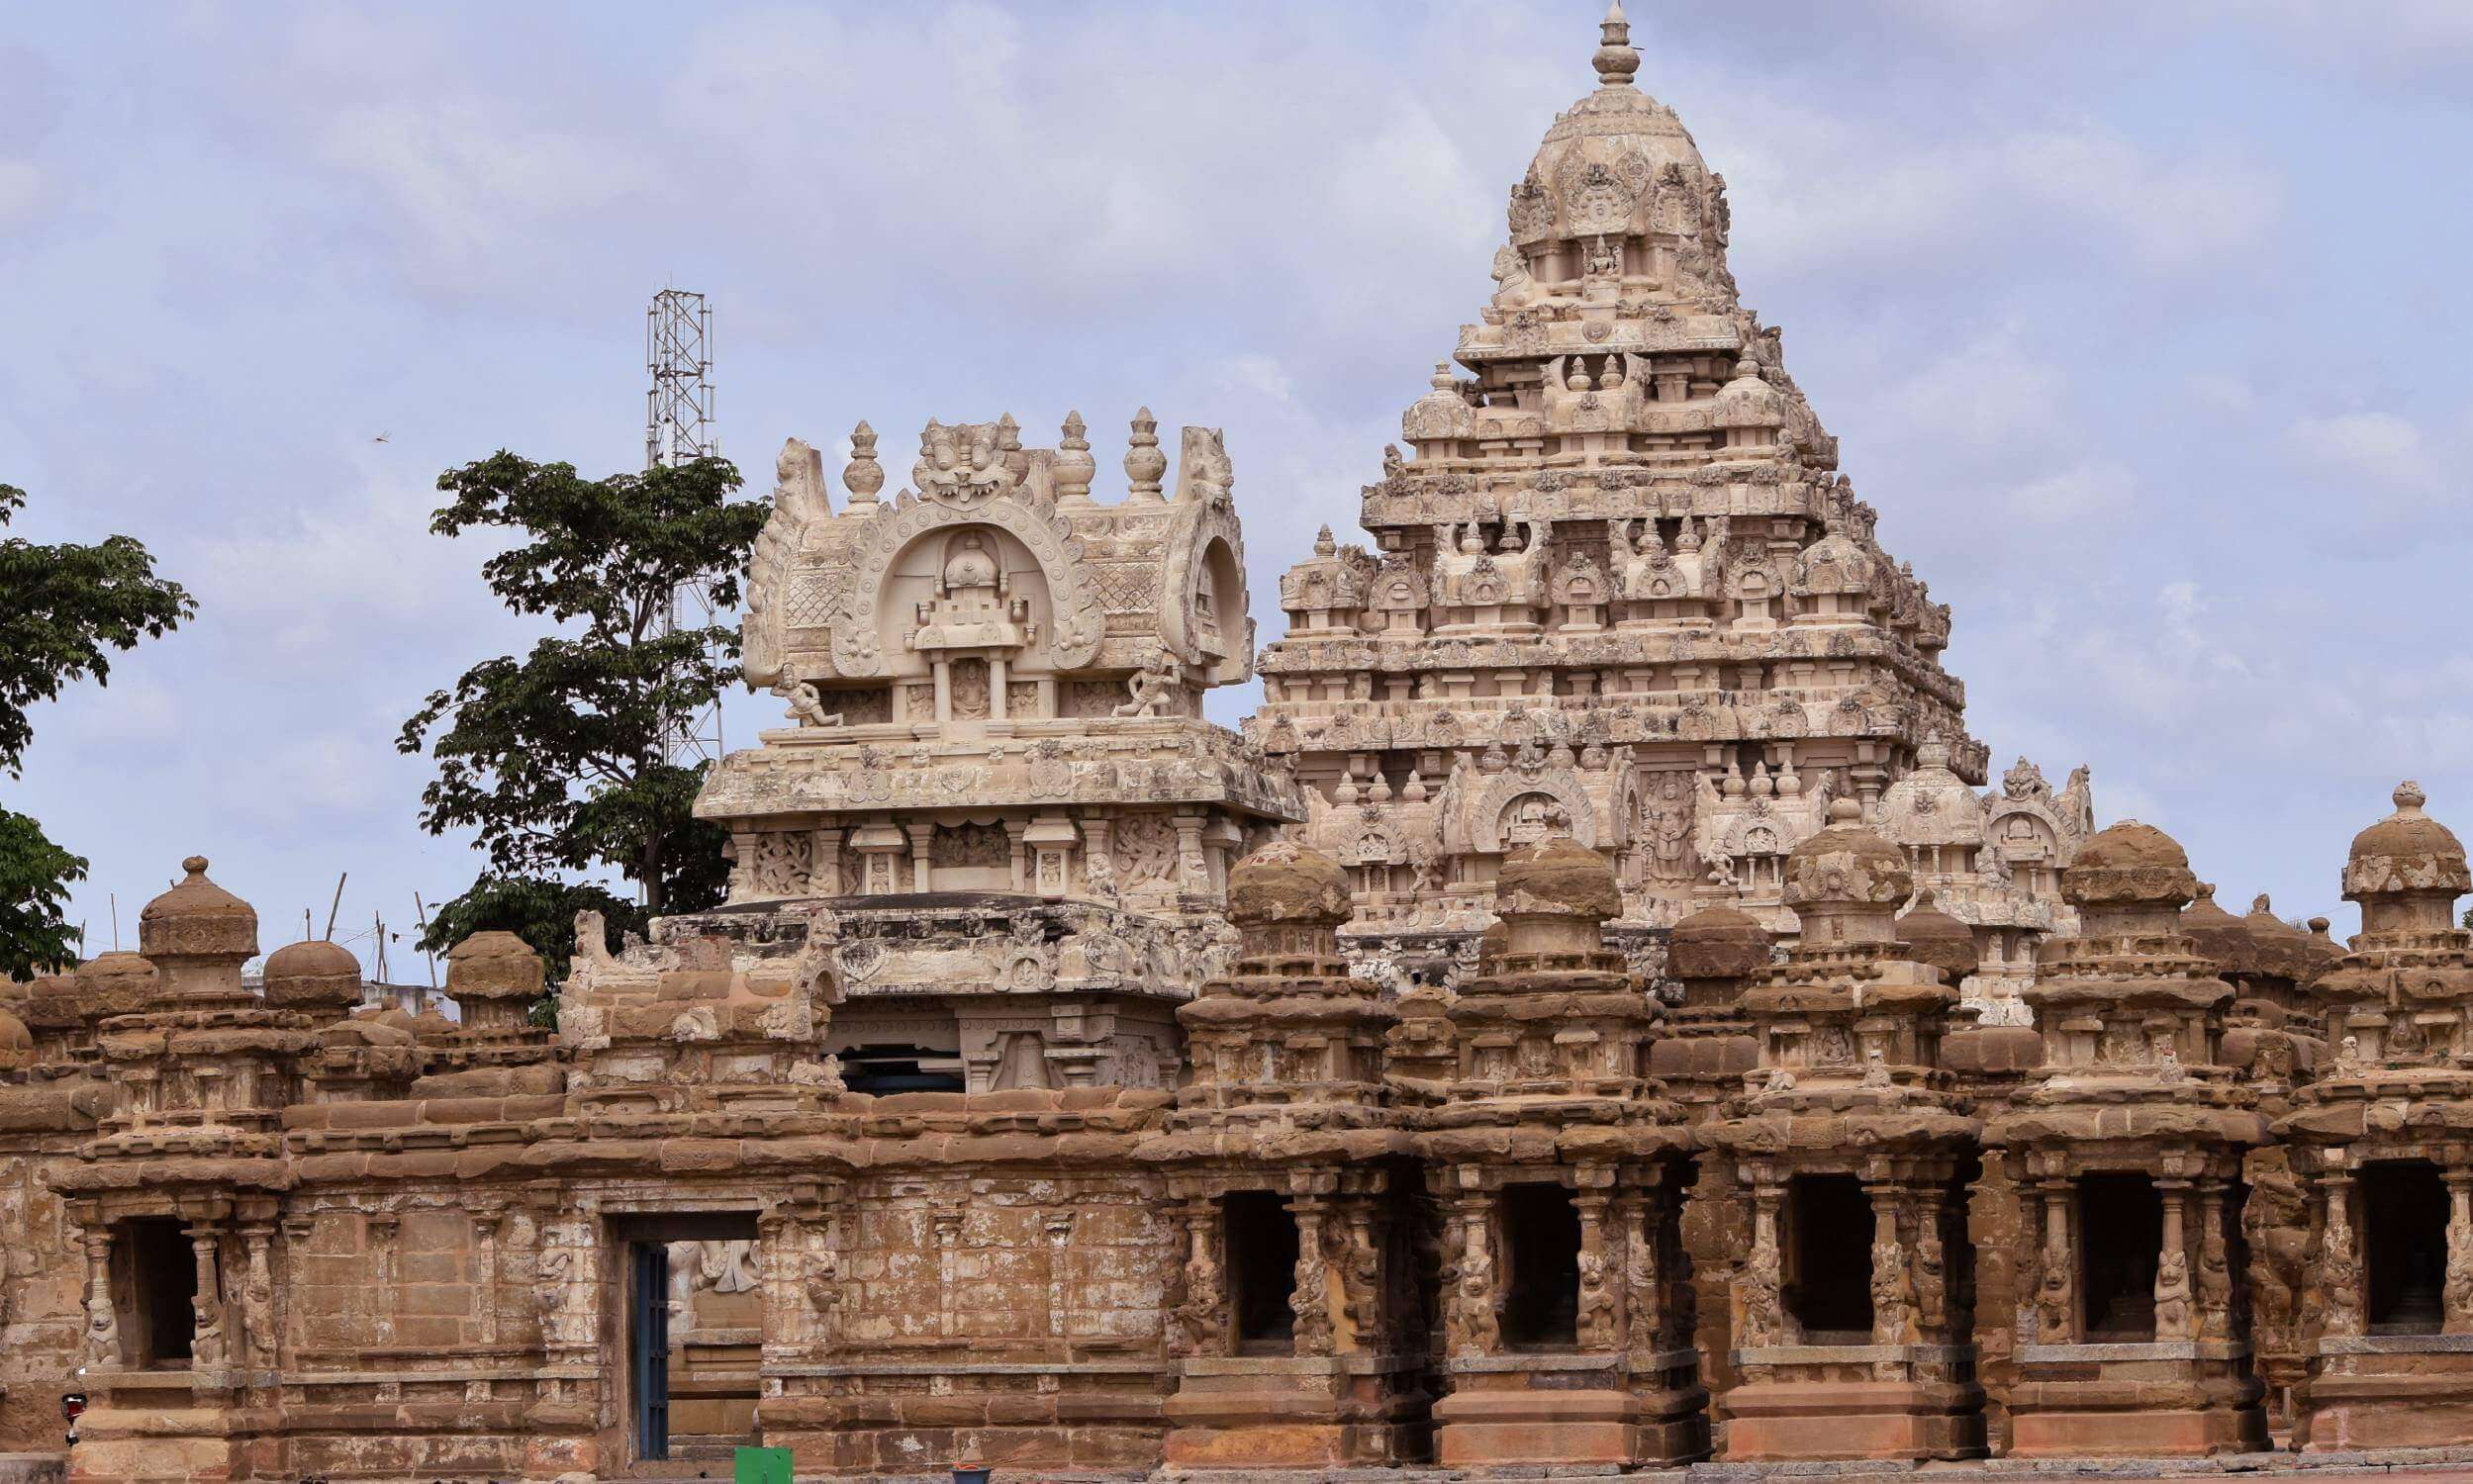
pixel 2136 321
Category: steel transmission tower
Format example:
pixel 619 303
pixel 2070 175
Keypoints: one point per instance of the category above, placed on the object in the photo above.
pixel 679 430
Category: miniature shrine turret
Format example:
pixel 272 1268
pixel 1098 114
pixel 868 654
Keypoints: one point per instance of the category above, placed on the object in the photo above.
pixel 1846 1126
pixel 2123 1158
pixel 996 766
pixel 2381 1136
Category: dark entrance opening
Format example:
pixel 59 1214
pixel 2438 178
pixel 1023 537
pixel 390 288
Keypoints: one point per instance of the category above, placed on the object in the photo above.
pixel 882 1068
pixel 1540 1230
pixel 1262 1270
pixel 1829 1290
pixel 2121 1235
pixel 2404 1228
pixel 693 1319
pixel 164 1293
pixel 648 1339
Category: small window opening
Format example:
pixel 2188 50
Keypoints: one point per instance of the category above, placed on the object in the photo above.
pixel 1261 1271
pixel 1830 1291
pixel 2403 1222
pixel 2121 1234
pixel 164 1281
pixel 1540 1230
pixel 882 1068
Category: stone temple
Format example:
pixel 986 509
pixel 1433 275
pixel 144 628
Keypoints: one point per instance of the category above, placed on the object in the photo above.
pixel 1595 1016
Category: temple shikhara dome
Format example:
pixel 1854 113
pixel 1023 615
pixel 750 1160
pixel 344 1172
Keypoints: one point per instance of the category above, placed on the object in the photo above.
pixel 1600 1014
pixel 1620 582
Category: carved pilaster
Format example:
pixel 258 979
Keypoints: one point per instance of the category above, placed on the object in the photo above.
pixel 1600 1301
pixel 1200 1327
pixel 1310 1298
pixel 208 1345
pixel 2457 1293
pixel 1471 1314
pixel 1931 1263
pixel 1762 1311
pixel 2056 1287
pixel 1636 1216
pixel 2214 1281
pixel 2339 1257
pixel 1893 1286
pixel 2175 1296
pixel 257 1296
pixel 102 1319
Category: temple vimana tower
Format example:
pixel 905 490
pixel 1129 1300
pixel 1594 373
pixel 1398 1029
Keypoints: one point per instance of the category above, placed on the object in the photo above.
pixel 1601 1013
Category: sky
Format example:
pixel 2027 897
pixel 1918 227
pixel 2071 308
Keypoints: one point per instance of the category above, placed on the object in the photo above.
pixel 2136 321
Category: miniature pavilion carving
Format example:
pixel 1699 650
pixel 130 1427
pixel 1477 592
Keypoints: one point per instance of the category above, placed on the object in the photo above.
pixel 1598 1014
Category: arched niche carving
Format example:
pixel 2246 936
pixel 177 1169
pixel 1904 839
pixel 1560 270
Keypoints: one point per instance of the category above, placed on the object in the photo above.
pixel 1207 618
pixel 1502 799
pixel 877 612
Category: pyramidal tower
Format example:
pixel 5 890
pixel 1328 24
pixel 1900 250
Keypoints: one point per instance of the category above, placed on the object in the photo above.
pixel 1618 586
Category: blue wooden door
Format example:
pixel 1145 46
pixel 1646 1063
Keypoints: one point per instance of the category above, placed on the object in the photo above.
pixel 651 1344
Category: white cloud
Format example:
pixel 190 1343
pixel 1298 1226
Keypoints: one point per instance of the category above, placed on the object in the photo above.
pixel 2379 450
pixel 1823 189
pixel 304 578
pixel 23 189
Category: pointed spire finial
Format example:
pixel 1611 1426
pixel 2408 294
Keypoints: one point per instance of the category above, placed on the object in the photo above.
pixel 1615 60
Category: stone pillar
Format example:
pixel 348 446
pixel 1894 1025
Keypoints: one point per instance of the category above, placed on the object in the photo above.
pixel 1193 870
pixel 1472 1321
pixel 257 1297
pixel 1636 1214
pixel 2056 1278
pixel 1601 1324
pixel 1759 1292
pixel 997 676
pixel 102 1319
pixel 2458 1289
pixel 1362 1277
pixel 2213 1281
pixel 1199 1325
pixel 923 847
pixel 824 863
pixel 944 690
pixel 2175 1306
pixel 1932 1265
pixel 2339 1260
pixel 1893 1287
pixel 1310 1298
pixel 209 1348
pixel 1019 860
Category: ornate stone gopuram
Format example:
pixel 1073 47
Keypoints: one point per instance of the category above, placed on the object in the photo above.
pixel 998 751
pixel 1622 591
pixel 1639 1038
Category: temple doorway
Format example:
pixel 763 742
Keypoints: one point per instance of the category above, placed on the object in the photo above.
pixel 2403 1221
pixel 693 1328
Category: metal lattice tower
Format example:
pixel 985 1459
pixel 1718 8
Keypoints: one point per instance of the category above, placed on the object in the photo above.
pixel 679 430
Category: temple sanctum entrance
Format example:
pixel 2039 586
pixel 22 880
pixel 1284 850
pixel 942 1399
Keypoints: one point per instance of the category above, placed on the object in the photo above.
pixel 692 1318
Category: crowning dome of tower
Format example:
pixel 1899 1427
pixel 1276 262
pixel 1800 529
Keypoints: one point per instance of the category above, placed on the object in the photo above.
pixel 1616 137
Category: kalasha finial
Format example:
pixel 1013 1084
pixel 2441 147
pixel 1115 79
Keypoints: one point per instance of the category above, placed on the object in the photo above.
pixel 1144 463
pixel 863 476
pixel 194 866
pixel 2408 797
pixel 1616 61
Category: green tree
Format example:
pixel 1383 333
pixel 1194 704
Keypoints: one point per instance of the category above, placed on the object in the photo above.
pixel 559 760
pixel 540 911
pixel 62 610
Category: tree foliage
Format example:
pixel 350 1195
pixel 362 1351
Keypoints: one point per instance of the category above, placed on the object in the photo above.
pixel 556 760
pixel 64 609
